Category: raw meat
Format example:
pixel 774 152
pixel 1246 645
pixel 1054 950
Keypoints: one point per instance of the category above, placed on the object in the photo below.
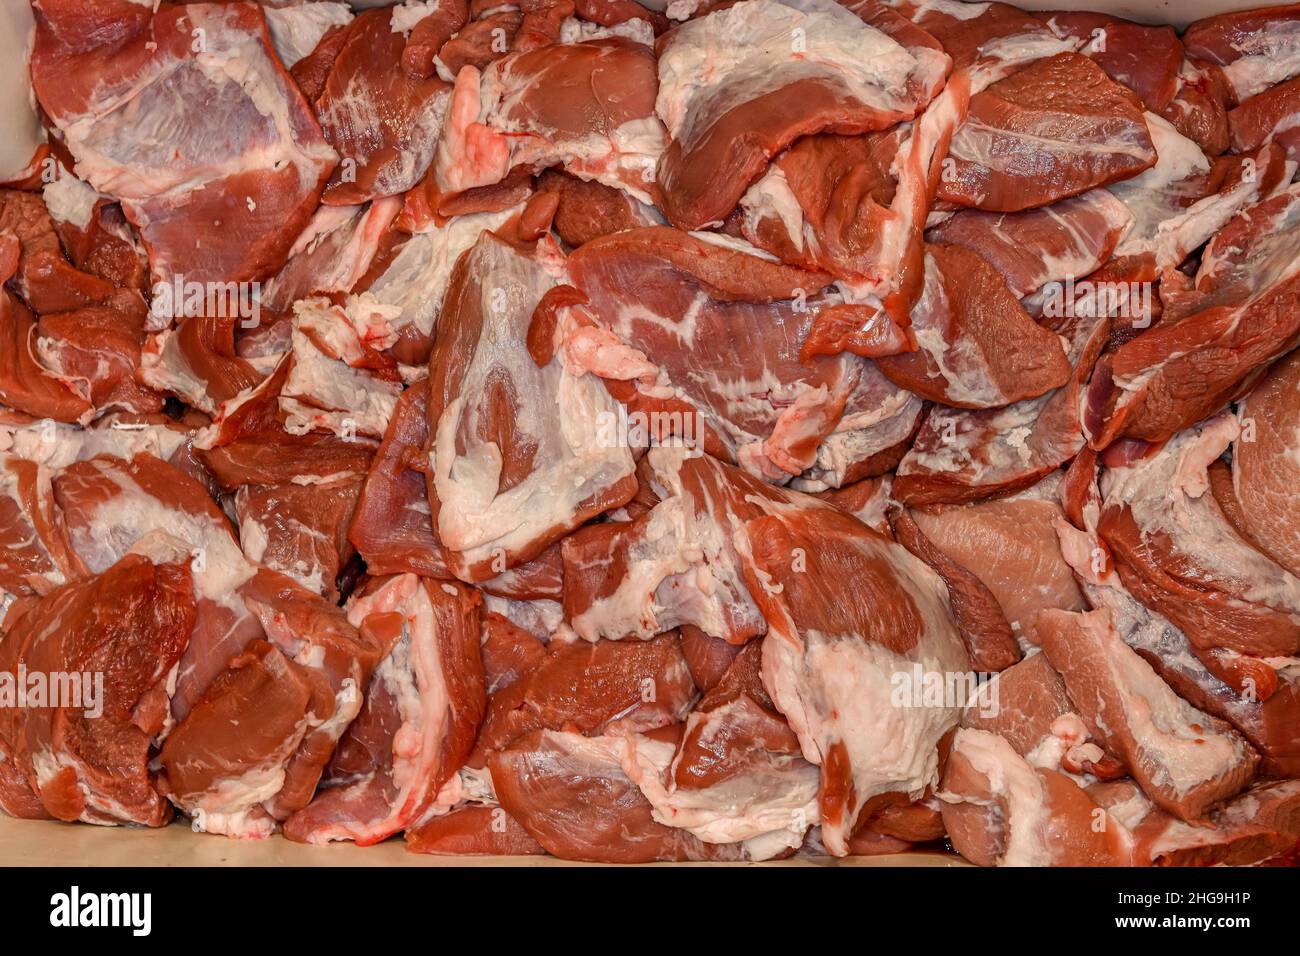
pixel 146 103
pixel 423 705
pixel 83 750
pixel 1053 130
pixel 516 458
pixel 761 92
pixel 384 123
pixel 1266 464
pixel 1185 760
pixel 724 328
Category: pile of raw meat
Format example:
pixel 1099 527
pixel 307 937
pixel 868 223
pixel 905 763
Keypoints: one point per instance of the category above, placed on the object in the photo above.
pixel 712 431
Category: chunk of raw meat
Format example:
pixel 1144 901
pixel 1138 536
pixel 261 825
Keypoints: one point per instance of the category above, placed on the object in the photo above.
pixel 1029 707
pixel 35 556
pixel 391 527
pixel 1145 59
pixel 1000 811
pixel 1065 240
pixel 415 280
pixel 572 796
pixel 676 564
pixel 422 708
pixel 25 383
pixel 603 127
pixel 516 456
pixel 333 253
pixel 710 342
pixel 1200 109
pixel 105 647
pixel 95 233
pixel 1055 129
pixel 336 380
pixel 776 71
pixel 1255 48
pixel 248 442
pixel 1183 199
pixel 291 696
pixel 98 351
pixel 147 103
pixel 973 33
pixel 1214 339
pixel 978 348
pixel 1185 760
pixel 605 687
pixel 960 455
pixel 1268 117
pixel 1266 464
pixel 298 28
pixel 980 622
pixel 383 122
pixel 40 274
pixel 588 209
pixel 509 651
pixel 1259 824
pixel 197 363
pixel 299 530
pixel 831 654
pixel 1177 552
pixel 1272 726
pixel 1010 544
pixel 473 831
pixel 737 775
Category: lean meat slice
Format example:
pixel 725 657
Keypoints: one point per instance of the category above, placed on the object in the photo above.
pixel 516 456
pixel 965 455
pixel 740 84
pixel 422 709
pixel 586 106
pixel 147 103
pixel 978 348
pixel 1010 544
pixel 713 337
pixel 1185 760
pixel 384 123
pixel 1145 59
pixel 88 759
pixel 1272 726
pixel 1177 552
pixel 1214 340
pixel 1054 243
pixel 1268 117
pixel 593 688
pixel 1055 129
pixel 1266 464
pixel 1254 48
pixel 572 795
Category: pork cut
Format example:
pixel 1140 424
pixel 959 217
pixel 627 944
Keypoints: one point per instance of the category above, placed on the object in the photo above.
pixel 146 103
pixel 516 457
